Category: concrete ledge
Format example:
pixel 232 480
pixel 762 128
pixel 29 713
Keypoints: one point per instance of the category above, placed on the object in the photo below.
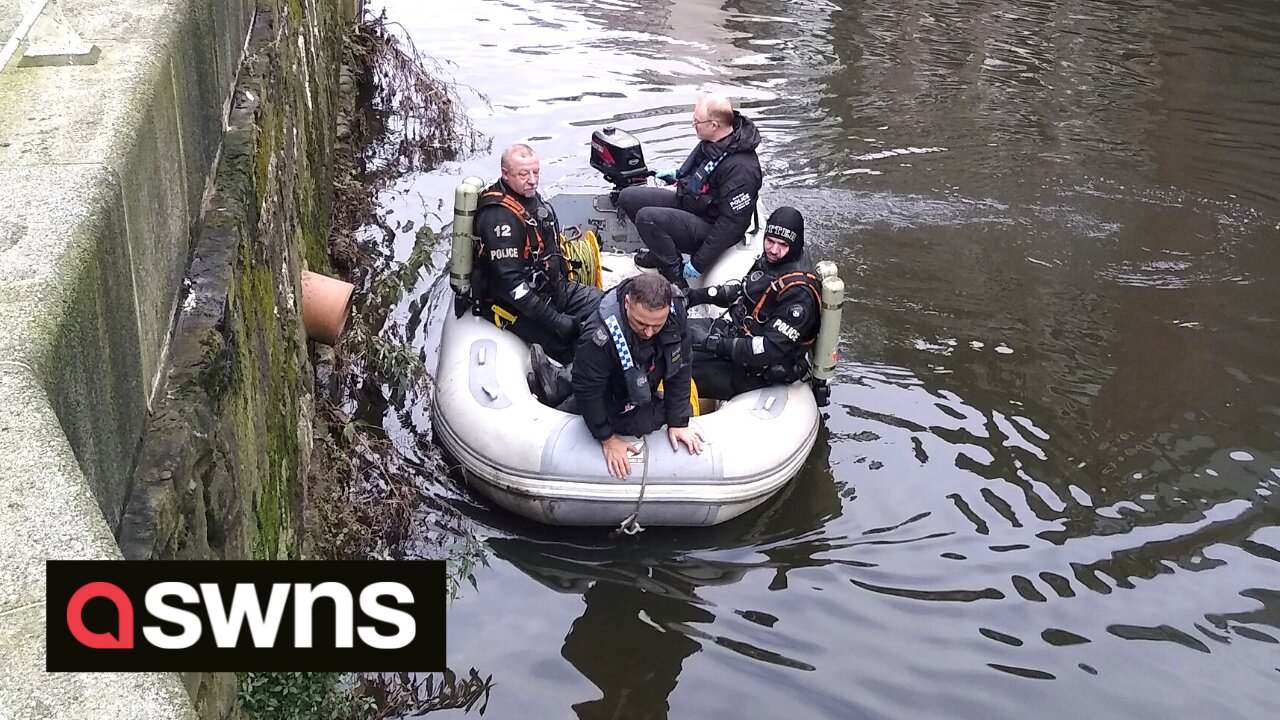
pixel 46 505
pixel 148 118
pixel 29 693
pixel 45 502
pixel 151 109
pixel 102 172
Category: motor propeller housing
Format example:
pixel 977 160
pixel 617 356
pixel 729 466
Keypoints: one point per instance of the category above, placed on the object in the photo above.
pixel 616 153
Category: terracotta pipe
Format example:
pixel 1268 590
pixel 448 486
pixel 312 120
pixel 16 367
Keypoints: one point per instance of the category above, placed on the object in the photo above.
pixel 326 304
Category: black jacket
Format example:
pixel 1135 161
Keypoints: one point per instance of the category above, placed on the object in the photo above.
pixel 599 383
pixel 727 196
pixel 773 314
pixel 519 263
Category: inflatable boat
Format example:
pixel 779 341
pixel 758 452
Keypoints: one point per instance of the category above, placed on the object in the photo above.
pixel 543 464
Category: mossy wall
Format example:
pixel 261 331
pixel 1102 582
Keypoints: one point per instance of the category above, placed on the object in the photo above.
pixel 221 468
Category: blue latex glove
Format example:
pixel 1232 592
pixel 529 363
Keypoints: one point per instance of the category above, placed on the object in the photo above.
pixel 667 176
pixel 690 271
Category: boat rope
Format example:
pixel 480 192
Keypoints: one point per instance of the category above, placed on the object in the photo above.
pixel 631 526
pixel 582 251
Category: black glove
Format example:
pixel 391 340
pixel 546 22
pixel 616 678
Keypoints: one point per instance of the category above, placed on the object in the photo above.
pixel 564 328
pixel 698 296
pixel 774 374
pixel 721 295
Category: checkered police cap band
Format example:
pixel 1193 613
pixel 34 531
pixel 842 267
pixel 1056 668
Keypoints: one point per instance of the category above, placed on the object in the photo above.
pixel 619 342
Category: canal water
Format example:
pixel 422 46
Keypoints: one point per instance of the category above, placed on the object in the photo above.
pixel 1047 482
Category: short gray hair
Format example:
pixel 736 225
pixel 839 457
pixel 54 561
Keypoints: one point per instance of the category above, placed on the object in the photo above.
pixel 515 150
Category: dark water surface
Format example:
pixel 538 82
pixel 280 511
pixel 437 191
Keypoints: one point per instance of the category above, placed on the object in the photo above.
pixel 1047 482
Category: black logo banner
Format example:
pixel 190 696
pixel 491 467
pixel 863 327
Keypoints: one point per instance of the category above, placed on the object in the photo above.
pixel 211 616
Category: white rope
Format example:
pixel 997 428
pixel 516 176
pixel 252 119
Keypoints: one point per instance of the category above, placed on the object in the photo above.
pixel 630 526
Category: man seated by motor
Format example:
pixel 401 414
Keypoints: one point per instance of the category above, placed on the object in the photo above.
pixel 636 339
pixel 771 321
pixel 520 274
pixel 714 201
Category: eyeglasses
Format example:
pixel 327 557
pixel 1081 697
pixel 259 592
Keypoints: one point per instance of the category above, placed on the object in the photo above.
pixel 696 122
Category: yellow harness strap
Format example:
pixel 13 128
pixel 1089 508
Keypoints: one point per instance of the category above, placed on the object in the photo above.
pixel 500 315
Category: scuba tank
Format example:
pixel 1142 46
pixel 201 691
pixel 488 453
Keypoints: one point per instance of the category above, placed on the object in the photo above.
pixel 462 253
pixel 824 348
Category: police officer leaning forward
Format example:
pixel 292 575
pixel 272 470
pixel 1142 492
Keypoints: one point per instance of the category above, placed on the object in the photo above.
pixel 772 319
pixel 636 338
pixel 519 278
pixel 715 198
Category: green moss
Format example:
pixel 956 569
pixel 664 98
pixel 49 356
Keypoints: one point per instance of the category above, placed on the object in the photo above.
pixel 264 362
pixel 295 15
pixel 270 120
pixel 264 401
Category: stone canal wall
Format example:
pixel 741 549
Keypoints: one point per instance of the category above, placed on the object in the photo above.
pixel 156 208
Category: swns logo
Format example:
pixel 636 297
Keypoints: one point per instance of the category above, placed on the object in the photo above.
pixel 229 615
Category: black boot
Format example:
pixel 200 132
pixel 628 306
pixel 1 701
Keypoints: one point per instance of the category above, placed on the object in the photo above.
pixel 549 382
pixel 675 276
pixel 646 259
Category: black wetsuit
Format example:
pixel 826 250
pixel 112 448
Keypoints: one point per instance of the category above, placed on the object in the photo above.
pixel 520 271
pixel 765 336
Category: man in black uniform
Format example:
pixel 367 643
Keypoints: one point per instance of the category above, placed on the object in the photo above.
pixel 772 319
pixel 635 339
pixel 520 273
pixel 714 201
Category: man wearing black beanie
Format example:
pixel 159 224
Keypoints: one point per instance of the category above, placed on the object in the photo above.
pixel 771 318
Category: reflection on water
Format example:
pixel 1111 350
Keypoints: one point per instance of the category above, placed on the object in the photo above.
pixel 1047 480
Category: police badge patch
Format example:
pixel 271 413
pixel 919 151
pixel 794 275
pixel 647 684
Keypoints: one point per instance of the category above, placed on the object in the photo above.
pixel 796 311
pixel 601 337
pixel 786 329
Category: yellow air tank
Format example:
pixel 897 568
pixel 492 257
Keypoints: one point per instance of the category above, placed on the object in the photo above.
pixel 464 240
pixel 824 348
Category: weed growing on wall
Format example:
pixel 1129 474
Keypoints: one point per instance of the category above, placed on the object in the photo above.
pixel 374 495
pixel 298 696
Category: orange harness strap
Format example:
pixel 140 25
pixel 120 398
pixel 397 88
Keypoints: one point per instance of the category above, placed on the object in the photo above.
pixel 510 203
pixel 781 285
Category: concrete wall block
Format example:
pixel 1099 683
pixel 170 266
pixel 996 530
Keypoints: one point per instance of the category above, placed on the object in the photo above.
pixel 201 96
pixel 67 309
pixel 99 184
pixel 154 179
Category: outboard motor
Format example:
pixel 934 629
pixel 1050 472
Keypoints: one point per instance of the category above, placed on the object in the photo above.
pixel 617 154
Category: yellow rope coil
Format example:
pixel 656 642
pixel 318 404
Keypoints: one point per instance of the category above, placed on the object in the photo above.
pixel 582 250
